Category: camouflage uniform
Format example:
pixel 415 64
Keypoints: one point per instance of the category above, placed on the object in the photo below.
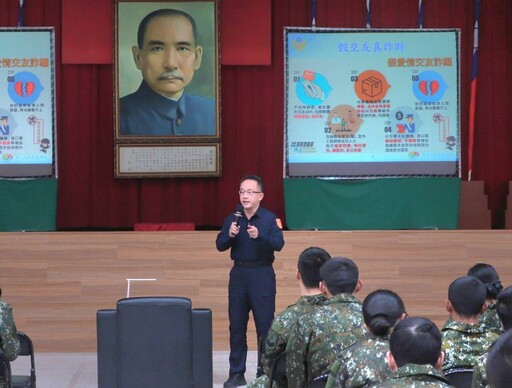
pixel 413 376
pixel 362 364
pixel 9 342
pixel 491 320
pixel 279 333
pixel 320 336
pixel 464 342
pixel 480 372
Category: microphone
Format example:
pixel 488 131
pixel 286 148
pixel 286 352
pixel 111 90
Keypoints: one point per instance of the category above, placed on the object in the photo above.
pixel 238 214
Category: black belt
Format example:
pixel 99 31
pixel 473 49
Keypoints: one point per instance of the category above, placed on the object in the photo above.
pixel 252 264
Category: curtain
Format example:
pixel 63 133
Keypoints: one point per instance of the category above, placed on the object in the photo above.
pixel 253 114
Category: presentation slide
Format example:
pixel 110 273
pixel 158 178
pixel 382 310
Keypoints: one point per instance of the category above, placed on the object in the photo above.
pixel 371 103
pixel 27 102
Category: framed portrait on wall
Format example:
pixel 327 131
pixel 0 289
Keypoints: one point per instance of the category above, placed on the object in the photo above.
pixel 166 88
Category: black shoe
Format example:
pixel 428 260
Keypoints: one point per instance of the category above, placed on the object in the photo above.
pixel 235 380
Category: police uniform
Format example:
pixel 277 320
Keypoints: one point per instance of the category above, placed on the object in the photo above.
pixel 279 334
pixel 415 376
pixel 464 342
pixel 361 364
pixel 252 281
pixel 318 337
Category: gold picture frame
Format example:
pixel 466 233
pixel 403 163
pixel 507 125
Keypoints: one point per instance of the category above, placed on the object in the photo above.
pixel 166 89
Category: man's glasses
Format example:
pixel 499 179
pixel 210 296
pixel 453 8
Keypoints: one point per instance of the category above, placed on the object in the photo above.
pixel 248 192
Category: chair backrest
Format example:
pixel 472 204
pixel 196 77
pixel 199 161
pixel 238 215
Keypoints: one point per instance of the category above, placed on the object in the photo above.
pixel 26 349
pixel 278 373
pixel 460 377
pixel 144 333
pixel 5 370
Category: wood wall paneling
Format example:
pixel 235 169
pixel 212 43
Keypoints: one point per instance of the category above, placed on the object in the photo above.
pixel 57 281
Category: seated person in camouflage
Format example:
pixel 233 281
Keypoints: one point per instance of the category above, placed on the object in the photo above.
pixel 464 336
pixel 504 310
pixel 308 277
pixel 319 336
pixel 364 363
pixel 487 274
pixel 9 341
pixel 499 363
pixel 415 355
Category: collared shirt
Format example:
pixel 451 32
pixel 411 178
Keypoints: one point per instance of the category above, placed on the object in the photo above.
pixel 279 334
pixel 9 342
pixel 147 113
pixel 480 372
pixel 243 248
pixel 491 320
pixel 361 364
pixel 464 342
pixel 320 335
pixel 415 376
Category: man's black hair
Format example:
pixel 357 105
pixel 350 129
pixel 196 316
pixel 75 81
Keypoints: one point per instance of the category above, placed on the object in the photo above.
pixel 381 311
pixel 499 362
pixel 504 307
pixel 415 340
pixel 467 295
pixel 309 263
pixel 340 275
pixel 488 275
pixel 163 12
pixel 254 178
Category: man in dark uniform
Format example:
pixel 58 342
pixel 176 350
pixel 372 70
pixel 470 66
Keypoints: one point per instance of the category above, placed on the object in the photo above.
pixel 253 237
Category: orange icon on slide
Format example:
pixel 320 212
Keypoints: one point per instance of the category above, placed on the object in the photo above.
pixel 371 86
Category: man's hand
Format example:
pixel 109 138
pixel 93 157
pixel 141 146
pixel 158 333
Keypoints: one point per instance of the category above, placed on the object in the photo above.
pixel 233 230
pixel 253 231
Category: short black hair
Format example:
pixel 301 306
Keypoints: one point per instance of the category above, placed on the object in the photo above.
pixel 381 311
pixel 256 178
pixel 415 340
pixel 467 295
pixel 488 275
pixel 309 263
pixel 340 275
pixel 143 25
pixel 504 307
pixel 499 361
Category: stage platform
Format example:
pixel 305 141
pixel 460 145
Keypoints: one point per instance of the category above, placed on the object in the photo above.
pixel 56 281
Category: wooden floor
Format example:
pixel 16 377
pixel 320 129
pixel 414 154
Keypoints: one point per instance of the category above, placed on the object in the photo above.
pixel 57 281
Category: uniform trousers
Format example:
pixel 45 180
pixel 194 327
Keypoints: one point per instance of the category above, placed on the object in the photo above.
pixel 250 289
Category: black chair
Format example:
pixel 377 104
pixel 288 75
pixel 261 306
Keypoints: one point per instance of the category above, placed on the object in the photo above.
pixel 278 372
pixel 154 342
pixel 460 377
pixel 5 370
pixel 27 349
pixel 318 382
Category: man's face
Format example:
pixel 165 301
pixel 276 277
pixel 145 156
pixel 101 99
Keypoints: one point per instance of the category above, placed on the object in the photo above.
pixel 251 195
pixel 169 55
